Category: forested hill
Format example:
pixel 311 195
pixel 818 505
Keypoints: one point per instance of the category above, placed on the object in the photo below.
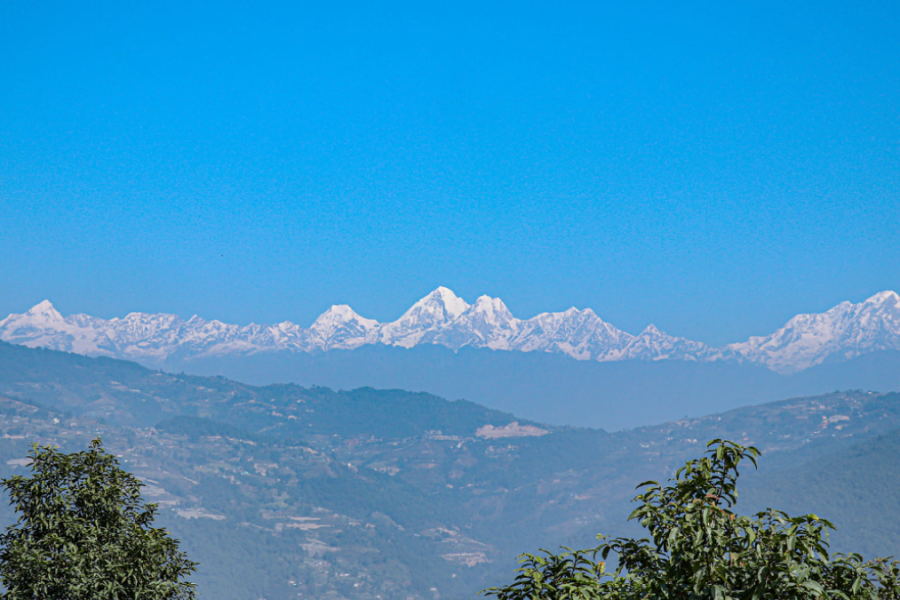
pixel 288 492
pixel 122 393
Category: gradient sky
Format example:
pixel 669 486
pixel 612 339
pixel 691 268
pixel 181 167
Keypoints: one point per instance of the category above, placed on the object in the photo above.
pixel 711 167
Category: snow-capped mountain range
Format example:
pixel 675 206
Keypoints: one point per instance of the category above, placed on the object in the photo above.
pixel 844 332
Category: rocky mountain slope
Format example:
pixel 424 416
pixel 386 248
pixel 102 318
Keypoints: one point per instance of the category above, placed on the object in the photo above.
pixel 442 318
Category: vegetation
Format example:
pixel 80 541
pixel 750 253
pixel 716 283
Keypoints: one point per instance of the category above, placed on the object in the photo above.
pixel 700 548
pixel 84 533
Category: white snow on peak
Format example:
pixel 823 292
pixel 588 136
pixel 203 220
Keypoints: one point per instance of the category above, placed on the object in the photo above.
pixel 441 317
pixel 841 333
pixel 493 308
pixel 453 304
pixel 424 319
pixel 340 327
pixel 580 334
pixel 46 310
pixel 487 323
pixel 653 344
pixel 341 313
pixel 882 297
pixel 442 304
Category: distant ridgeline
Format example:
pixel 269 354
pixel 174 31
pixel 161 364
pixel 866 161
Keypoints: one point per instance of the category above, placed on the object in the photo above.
pixel 283 491
pixel 448 347
pixel 442 318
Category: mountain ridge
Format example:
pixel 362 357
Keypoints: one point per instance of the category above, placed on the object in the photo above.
pixel 442 318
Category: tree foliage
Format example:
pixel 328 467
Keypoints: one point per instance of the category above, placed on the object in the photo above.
pixel 85 533
pixel 699 549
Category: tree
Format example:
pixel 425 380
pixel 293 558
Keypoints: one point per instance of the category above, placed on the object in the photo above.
pixel 85 533
pixel 700 549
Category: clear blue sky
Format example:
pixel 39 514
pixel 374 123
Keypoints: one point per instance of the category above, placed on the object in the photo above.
pixel 712 167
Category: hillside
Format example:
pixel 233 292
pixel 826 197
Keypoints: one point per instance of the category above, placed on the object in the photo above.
pixel 282 491
pixel 856 488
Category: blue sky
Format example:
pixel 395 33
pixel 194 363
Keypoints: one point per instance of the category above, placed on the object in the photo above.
pixel 712 168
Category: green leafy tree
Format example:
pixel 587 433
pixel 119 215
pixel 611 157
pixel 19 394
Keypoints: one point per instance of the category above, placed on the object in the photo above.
pixel 85 533
pixel 699 549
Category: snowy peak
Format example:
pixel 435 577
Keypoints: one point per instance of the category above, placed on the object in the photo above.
pixel 44 310
pixel 43 326
pixel 651 331
pixel 493 309
pixel 340 315
pixel 653 344
pixel 487 323
pixel 580 334
pixel 424 319
pixel 886 297
pixel 439 307
pixel 841 333
pixel 340 327
pixel 443 318
pixel 452 305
